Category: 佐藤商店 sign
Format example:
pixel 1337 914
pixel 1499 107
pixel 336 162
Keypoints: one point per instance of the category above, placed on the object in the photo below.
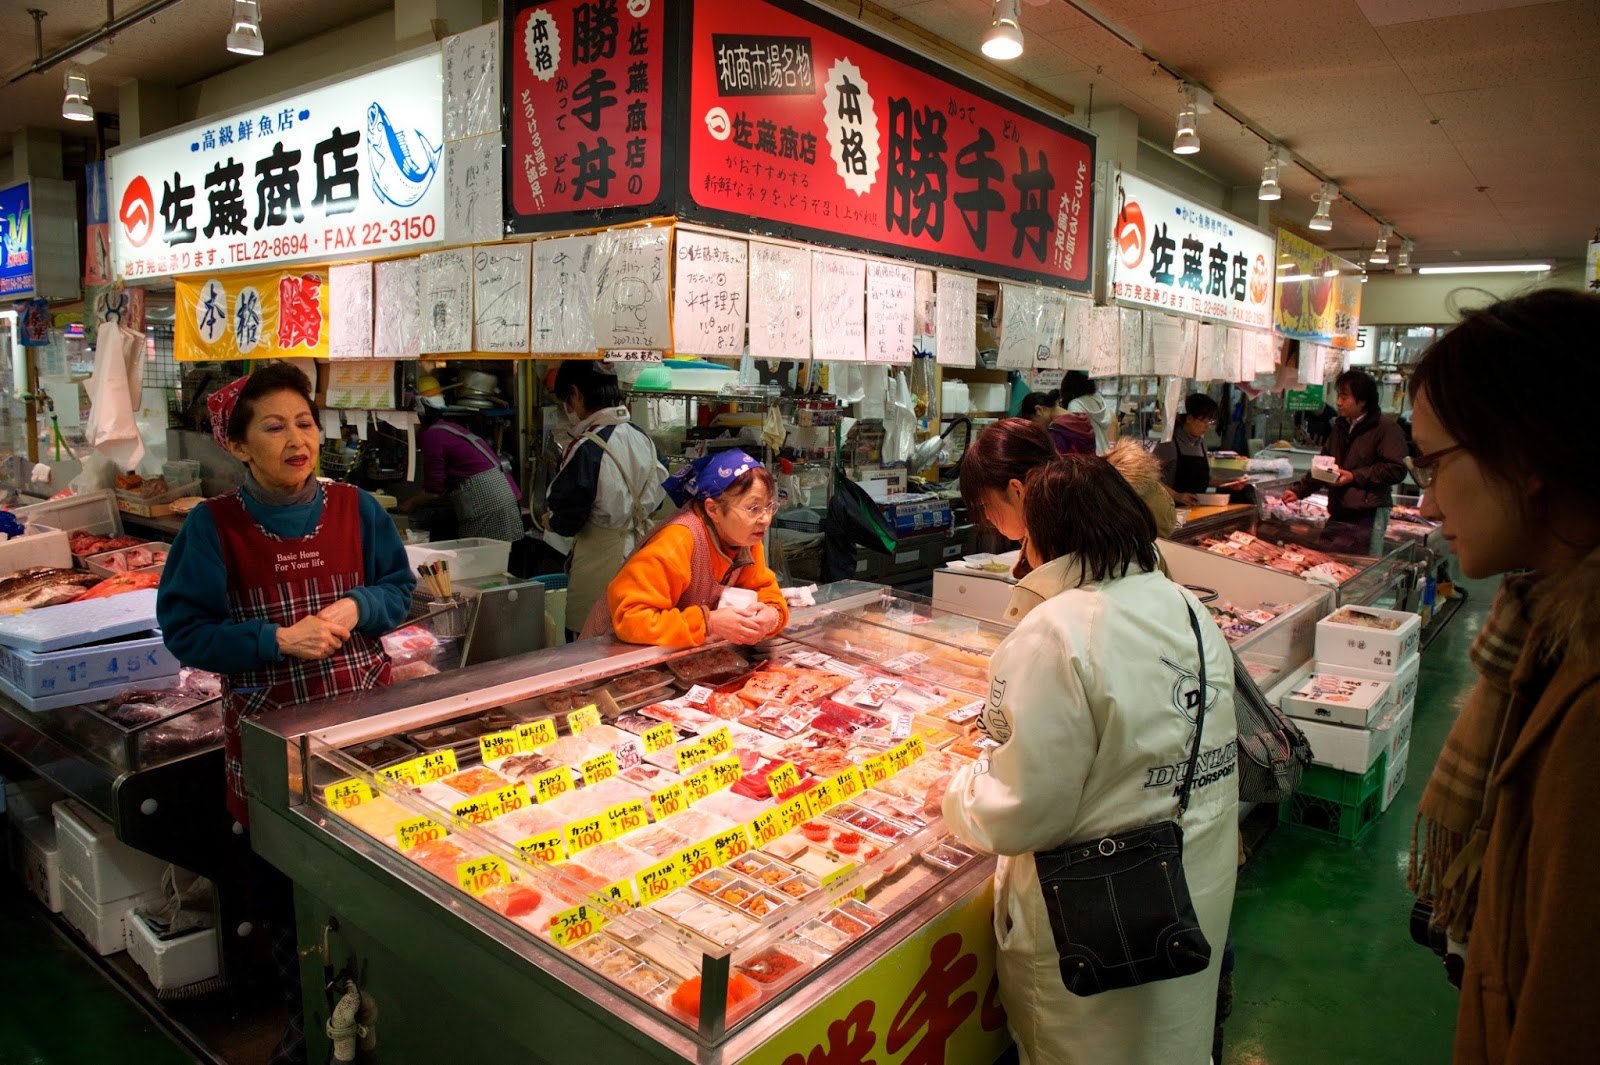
pixel 1176 255
pixel 346 170
pixel 801 121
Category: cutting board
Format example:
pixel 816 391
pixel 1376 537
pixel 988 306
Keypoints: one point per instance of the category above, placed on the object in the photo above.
pixel 53 628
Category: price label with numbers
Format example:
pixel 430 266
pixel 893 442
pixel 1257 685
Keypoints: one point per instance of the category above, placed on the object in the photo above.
pixel 899 758
pixel 659 737
pixel 668 801
pixel 698 785
pixel 692 754
pixel 731 844
pixel 347 794
pixel 581 835
pixel 849 784
pixel 615 897
pixel 546 846
pixel 700 858
pixel 658 881
pixel 474 811
pixel 726 772
pixel 764 828
pixel 552 784
pixel 418 830
pixel 435 766
pixel 481 874
pixel 624 817
pixel 536 734
pixel 404 773
pixel 908 661
pixel 570 927
pixel 916 747
pixel 498 745
pixel 875 771
pixel 510 800
pixel 794 813
pixel 698 695
pixel 839 874
pixel 784 778
pixel 583 719
pixel 822 797
pixel 600 767
pixel 900 725
pixel 719 740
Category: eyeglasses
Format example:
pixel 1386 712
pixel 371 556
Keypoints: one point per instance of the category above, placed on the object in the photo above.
pixel 757 511
pixel 1422 467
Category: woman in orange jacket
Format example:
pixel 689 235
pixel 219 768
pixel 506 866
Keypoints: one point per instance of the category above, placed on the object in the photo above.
pixel 681 586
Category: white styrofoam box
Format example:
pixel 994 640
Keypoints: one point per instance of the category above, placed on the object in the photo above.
pixel 989 396
pixel 1349 750
pixel 1324 468
pixel 1340 643
pixel 475 556
pixel 81 623
pixel 176 962
pixel 94 512
pixel 972 594
pixel 120 661
pixel 41 545
pixel 98 864
pixel 41 860
pixel 103 924
pixel 954 397
pixel 1398 726
pixel 1394 775
pixel 1403 679
pixel 32 798
pixel 1331 696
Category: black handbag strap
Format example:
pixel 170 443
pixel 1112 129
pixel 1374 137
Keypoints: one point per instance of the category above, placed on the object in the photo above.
pixel 1200 715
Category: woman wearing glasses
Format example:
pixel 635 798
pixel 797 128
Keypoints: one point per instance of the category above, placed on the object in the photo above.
pixel 1504 848
pixel 680 587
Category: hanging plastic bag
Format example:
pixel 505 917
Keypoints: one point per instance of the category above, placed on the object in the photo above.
pixel 113 429
pixel 899 420
pixel 847 381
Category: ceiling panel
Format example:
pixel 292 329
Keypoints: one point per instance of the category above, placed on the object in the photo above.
pixel 1304 37
pixel 1499 48
pixel 1391 12
pixel 1546 109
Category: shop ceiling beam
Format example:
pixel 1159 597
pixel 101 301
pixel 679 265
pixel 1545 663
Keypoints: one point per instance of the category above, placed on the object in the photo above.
pixel 114 24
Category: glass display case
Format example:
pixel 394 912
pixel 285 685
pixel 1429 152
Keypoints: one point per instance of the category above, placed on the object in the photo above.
pixel 705 840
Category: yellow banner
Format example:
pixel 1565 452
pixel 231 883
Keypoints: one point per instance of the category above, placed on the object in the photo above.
pixel 1311 292
pixel 273 314
pixel 1347 313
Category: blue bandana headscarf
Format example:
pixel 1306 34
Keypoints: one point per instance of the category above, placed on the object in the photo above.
pixel 708 477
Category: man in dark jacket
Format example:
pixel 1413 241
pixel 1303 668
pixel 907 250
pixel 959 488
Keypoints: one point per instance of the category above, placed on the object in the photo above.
pixel 1371 452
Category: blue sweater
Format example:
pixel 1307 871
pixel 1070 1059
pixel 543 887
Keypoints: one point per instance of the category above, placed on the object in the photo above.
pixel 192 605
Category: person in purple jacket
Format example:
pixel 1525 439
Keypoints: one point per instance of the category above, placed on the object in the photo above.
pixel 459 467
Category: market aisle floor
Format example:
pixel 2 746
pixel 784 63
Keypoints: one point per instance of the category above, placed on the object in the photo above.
pixel 1326 969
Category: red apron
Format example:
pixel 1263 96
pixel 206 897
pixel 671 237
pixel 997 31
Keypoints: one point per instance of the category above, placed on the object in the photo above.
pixel 281 580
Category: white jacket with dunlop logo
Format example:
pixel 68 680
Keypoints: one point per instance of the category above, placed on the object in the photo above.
pixel 1087 703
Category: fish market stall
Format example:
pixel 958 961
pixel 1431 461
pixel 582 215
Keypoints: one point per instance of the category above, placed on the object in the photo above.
pixel 617 853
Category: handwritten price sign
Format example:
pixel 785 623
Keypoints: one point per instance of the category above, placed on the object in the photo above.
pixel 839 874
pixel 698 695
pixel 418 830
pixel 698 785
pixel 782 779
pixel 510 800
pixel 720 741
pixel 822 797
pixel 849 784
pixel 478 811
pixel 659 881
pixel 552 783
pixel 668 801
pixel 915 747
pixel 569 927
pixel 600 767
pixel 481 874
pixel 692 754
pixel 546 846
pixel 659 737
pixel 700 858
pixel 347 794
pixel 404 773
pixel 794 813
pixel 498 745
pixel 726 773
pixel 624 817
pixel 615 897
pixel 436 766
pixel 765 828
pixel 875 771
pixel 581 835
pixel 536 734
pixel 583 719
pixel 734 843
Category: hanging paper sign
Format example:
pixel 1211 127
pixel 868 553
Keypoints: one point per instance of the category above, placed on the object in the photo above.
pixel 352 168
pixel 956 311
pixel 629 272
pixel 280 314
pixel 1306 307
pixel 708 294
pixel 780 302
pixel 891 309
pixel 563 296
pixel 1180 256
pixel 838 307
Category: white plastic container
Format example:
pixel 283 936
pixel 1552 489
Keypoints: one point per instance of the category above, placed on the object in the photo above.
pixel 989 397
pixel 475 556
pixel 40 857
pixel 1380 650
pixel 96 863
pixel 170 963
pixel 955 397
pixel 103 924
pixel 1332 696
pixel 41 545
pixel 94 512
pixel 27 799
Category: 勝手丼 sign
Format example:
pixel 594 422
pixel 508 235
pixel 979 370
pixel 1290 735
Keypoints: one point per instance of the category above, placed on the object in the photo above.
pixel 349 169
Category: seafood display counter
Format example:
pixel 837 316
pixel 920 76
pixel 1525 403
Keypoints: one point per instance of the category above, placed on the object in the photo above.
pixel 601 852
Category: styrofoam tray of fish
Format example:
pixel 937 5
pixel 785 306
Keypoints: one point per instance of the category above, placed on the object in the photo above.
pixel 41 586
pixel 41 703
pixel 121 661
pixel 76 624
pixel 128 559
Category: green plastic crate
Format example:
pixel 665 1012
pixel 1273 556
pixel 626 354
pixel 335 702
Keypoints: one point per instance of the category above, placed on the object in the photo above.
pixel 1347 789
pixel 1348 824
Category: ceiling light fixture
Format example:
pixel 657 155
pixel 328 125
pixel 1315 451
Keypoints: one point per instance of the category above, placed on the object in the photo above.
pixel 1487 268
pixel 1270 189
pixel 1004 39
pixel 75 101
pixel 1186 141
pixel 246 36
pixel 1380 250
pixel 1322 220
pixel 1402 258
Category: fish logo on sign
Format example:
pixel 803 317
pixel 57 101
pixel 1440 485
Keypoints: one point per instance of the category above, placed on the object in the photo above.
pixel 403 164
pixel 137 212
pixel 1129 233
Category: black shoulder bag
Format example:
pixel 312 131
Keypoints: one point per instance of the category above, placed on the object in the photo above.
pixel 1119 906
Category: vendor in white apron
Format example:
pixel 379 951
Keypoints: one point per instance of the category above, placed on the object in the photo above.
pixel 459 467
pixel 604 494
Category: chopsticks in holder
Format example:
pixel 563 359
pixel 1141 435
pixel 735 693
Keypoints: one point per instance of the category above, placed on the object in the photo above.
pixel 435 578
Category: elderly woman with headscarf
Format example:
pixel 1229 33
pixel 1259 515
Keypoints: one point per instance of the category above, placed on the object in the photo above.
pixel 702 573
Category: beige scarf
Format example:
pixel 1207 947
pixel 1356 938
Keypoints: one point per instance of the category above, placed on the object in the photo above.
pixel 1457 808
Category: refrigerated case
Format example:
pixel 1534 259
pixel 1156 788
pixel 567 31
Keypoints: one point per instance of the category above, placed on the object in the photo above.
pixel 811 910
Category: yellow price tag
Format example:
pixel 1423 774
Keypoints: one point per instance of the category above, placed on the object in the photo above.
pixel 347 794
pixel 822 797
pixel 481 874
pixel 692 754
pixel 765 828
pixel 794 813
pixel 614 897
pixel 668 801
pixel 624 817
pixel 404 773
pixel 731 844
pixel 698 785
pixel 700 858
pixel 552 783
pixel 498 745
pixel 916 747
pixel 536 734
pixel 600 767
pixel 581 835
pixel 784 778
pixel 435 766
pixel 418 830
pixel 720 740
pixel 658 881
pixel 726 772
pixel 570 927
pixel 510 800
pixel 658 737
pixel 839 874
pixel 546 846
pixel 474 811
pixel 849 784
pixel 875 771
pixel 583 719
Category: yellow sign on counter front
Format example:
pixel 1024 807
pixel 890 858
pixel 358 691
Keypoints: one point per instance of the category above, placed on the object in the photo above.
pixel 782 779
pixel 731 844
pixel 581 835
pixel 692 754
pixel 698 785
pixel 624 817
pixel 720 740
pixel 474 811
pixel 659 737
pixel 765 828
pixel 510 800
pixel 552 783
pixel 658 881
pixel 481 874
pixel 546 846
pixel 435 766
pixel 849 784
pixel 875 771
pixel 600 767
pixel 726 772
pixel 668 801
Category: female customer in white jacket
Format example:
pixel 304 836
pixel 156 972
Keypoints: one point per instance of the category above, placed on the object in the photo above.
pixel 1091 701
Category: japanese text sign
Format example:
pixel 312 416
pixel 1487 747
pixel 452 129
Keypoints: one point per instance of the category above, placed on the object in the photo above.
pixel 1179 256
pixel 275 315
pixel 16 241
pixel 1310 302
pixel 343 170
pixel 801 120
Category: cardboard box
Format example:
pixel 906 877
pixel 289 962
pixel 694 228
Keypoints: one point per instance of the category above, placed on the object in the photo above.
pixel 100 866
pixel 103 924
pixel 1343 700
pixel 1394 775
pixel 1402 679
pixel 1342 643
pixel 175 962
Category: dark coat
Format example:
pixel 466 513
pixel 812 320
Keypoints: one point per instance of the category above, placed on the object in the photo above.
pixel 1375 454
